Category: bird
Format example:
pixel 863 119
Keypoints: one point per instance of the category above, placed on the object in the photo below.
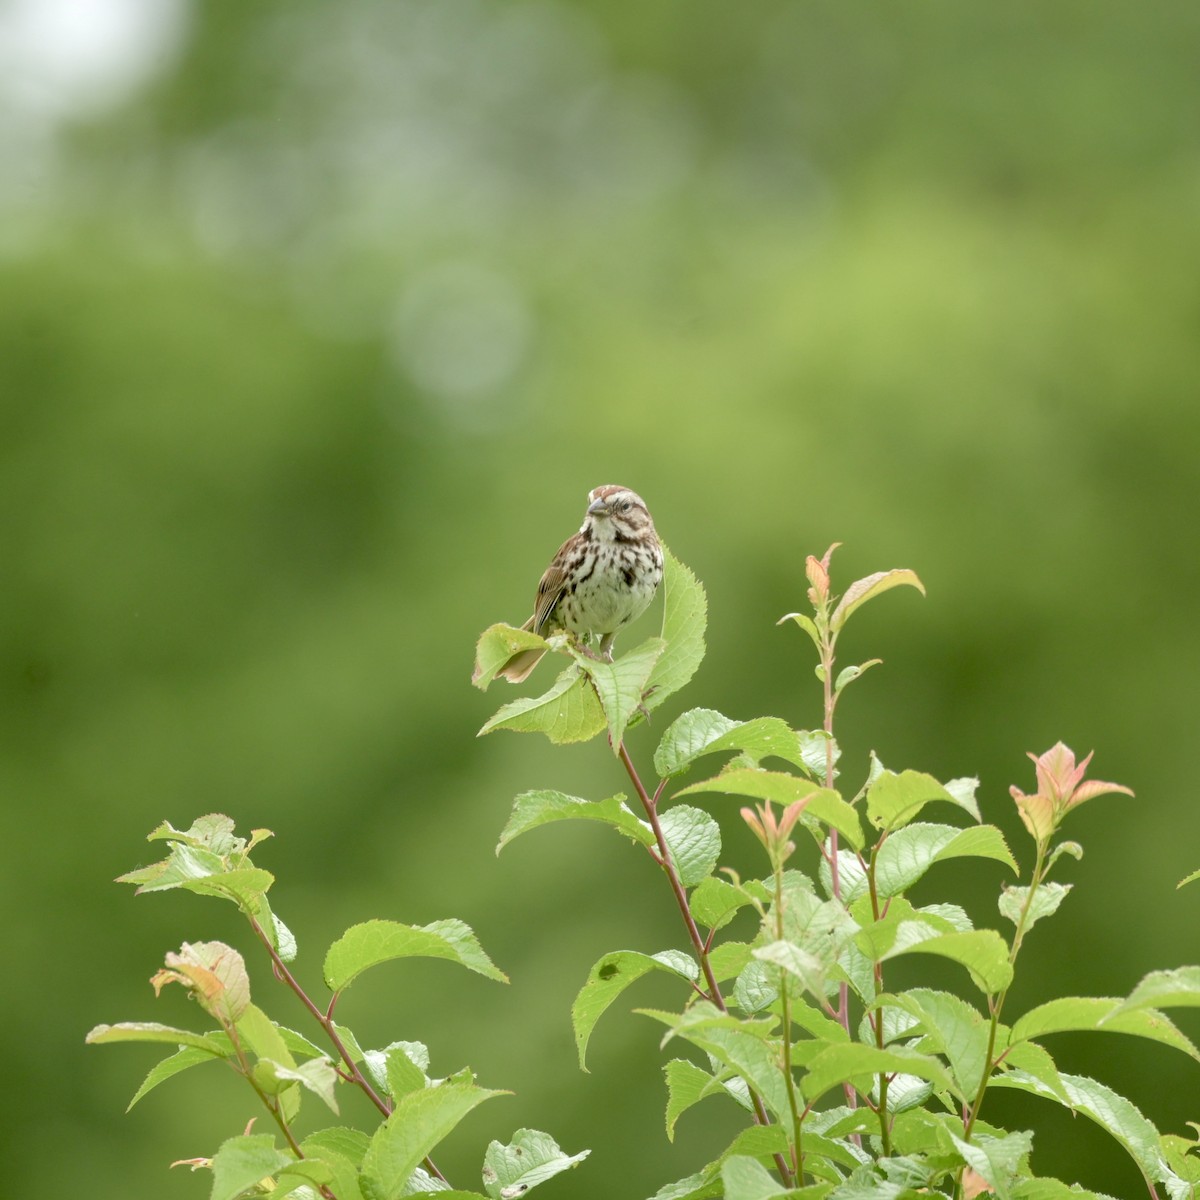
pixel 601 579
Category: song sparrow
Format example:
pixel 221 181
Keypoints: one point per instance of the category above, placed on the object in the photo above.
pixel 601 578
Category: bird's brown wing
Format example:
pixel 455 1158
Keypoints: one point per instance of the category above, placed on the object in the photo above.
pixel 549 592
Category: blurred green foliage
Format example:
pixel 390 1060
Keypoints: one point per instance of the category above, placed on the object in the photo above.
pixel 317 322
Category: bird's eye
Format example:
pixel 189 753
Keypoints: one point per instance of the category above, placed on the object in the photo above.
pixel 624 506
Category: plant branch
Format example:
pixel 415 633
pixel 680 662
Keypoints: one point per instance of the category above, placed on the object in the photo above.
pixel 667 861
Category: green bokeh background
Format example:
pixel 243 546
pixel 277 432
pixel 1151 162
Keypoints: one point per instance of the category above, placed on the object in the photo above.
pixel 318 321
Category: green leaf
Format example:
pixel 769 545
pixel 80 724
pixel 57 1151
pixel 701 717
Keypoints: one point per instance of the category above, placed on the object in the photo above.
pixel 532 809
pixel 350 1144
pixel 852 1061
pixel 1035 1061
pixel 298 1173
pixel 823 803
pixel 317 1075
pixel 609 977
pixel 181 1060
pixel 621 684
pixel 1188 879
pixel 953 1028
pixel 1100 1014
pixel 402 1073
pixel 739 1044
pixel 705 731
pixel 685 617
pixel 1045 902
pixel 745 1178
pixel 801 964
pixel 1179 988
pixel 1109 1110
pixel 569 712
pixel 715 902
pixel 727 959
pixel 982 951
pixel 150 1031
pixel 756 1142
pixel 1053 1189
pixel 241 1162
pixel 496 645
pixel 895 799
pixel 261 1035
pixel 214 832
pixel 862 590
pixel 909 852
pixel 374 942
pixel 997 1160
pixel 807 624
pixel 416 1125
pixel 530 1158
pixel 688 1084
pixel 215 976
pixel 848 675
pixel 694 839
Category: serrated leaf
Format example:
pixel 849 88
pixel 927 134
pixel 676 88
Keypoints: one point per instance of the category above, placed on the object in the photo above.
pixel 1035 1061
pixel 569 712
pixel 416 1125
pixel 262 1037
pixel 213 973
pixel 848 675
pixel 1102 1015
pixel 1046 899
pixel 807 624
pixel 241 1162
pixel 694 840
pixel 847 1061
pixel 1053 1189
pixel 350 1144
pixel 952 1027
pixel 1179 988
pixel 609 977
pixel 715 902
pixel 862 590
pixel 909 852
pixel 982 951
pixel 181 1060
pixel 740 1044
pixel 823 803
pixel 530 1158
pixel 688 1084
pixel 213 831
pixel 757 1141
pixel 374 942
pixel 496 645
pixel 343 1182
pixel 727 959
pixel 245 886
pixel 281 936
pixel 1188 879
pixel 893 800
pixel 996 1160
pixel 402 1074
pixel 745 1178
pixel 151 1031
pixel 1111 1111
pixel 704 731
pixel 807 968
pixel 621 684
pixel 531 809
pixel 685 617
pixel 316 1075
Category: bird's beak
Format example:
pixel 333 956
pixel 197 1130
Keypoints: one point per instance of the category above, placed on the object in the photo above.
pixel 598 508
